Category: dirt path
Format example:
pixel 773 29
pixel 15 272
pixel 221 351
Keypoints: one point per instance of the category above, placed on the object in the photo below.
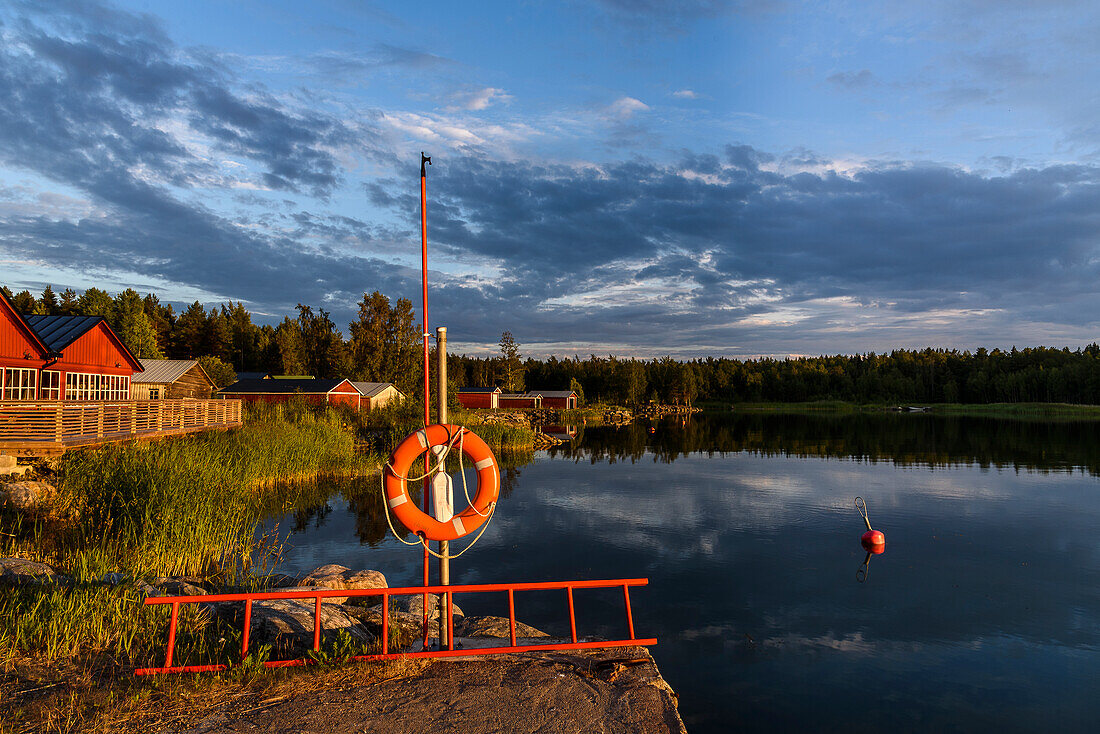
pixel 618 690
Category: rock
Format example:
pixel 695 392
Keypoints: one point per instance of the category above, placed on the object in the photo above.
pixel 26 495
pixel 7 462
pixel 276 581
pixel 114 578
pixel 180 586
pixel 493 627
pixel 334 576
pixel 22 570
pixel 9 466
pixel 287 625
pixel 415 605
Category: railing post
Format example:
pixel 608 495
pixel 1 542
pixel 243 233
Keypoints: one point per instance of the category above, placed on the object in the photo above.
pixel 247 628
pixel 572 618
pixel 99 420
pixel 512 615
pixel 385 624
pixel 317 624
pixel 133 418
pixel 629 615
pixel 59 422
pixel 172 634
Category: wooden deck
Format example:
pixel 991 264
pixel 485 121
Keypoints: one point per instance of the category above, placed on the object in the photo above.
pixel 41 428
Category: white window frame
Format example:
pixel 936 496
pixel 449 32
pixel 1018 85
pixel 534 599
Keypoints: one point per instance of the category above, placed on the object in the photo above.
pixel 20 388
pixel 49 391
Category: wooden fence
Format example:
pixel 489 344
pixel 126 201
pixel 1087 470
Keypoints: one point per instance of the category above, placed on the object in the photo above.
pixel 48 427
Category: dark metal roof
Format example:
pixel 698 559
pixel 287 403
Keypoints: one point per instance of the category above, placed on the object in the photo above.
pixel 370 389
pixel 479 389
pixel 557 393
pixel 281 387
pixel 58 332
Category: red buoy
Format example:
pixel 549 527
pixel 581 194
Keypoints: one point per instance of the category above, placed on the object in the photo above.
pixel 873 541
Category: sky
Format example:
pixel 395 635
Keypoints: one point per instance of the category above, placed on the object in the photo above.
pixel 635 177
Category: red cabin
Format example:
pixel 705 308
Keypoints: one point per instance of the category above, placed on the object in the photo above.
pixel 479 397
pixel 315 392
pixel 62 358
pixel 558 399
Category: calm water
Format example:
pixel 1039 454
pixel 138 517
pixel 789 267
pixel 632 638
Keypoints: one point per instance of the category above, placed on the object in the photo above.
pixel 982 615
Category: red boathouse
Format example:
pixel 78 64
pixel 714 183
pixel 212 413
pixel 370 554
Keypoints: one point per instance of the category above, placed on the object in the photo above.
pixel 315 392
pixel 479 397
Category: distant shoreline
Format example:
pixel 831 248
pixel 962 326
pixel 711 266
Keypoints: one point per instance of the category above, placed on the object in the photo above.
pixel 1018 411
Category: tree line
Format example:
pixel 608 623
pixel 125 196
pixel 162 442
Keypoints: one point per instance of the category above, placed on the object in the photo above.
pixel 384 345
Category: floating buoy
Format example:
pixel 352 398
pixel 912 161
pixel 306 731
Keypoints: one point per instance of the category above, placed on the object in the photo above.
pixel 874 541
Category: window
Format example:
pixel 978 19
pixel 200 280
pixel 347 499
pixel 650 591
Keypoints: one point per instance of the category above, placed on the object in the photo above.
pixel 83 386
pixel 50 389
pixel 19 383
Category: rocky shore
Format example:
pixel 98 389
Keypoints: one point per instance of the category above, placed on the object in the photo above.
pixel 609 690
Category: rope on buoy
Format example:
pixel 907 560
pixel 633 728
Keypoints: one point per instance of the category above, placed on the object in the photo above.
pixel 439 466
pixel 862 507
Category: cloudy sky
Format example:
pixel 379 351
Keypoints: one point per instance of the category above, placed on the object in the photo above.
pixel 741 178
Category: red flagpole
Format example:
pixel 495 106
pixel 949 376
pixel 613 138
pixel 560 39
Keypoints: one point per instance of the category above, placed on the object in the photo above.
pixel 427 413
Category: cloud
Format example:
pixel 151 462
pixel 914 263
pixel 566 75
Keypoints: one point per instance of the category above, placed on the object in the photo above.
pixel 685 94
pixel 625 107
pixel 478 99
pixel 852 79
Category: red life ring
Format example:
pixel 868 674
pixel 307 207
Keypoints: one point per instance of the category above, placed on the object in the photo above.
pixel 397 472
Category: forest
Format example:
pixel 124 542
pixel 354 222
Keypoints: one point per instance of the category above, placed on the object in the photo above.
pixel 383 344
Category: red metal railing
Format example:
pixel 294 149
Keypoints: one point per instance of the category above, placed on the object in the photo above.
pixel 318 594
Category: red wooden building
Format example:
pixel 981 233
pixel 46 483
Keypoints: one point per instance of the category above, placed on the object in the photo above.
pixel 521 400
pixel 315 392
pixel 62 358
pixel 558 399
pixel 479 397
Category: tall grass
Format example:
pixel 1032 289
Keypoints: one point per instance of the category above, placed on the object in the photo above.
pixel 185 506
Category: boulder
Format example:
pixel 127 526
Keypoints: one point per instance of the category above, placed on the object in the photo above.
pixel 179 586
pixel 334 576
pixel 26 495
pixel 287 625
pixel 493 627
pixel 7 462
pixel 22 570
pixel 414 604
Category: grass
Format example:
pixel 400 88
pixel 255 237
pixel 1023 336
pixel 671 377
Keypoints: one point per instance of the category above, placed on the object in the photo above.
pixel 186 506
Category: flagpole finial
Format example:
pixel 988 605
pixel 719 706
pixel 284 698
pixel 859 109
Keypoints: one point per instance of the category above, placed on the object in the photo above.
pixel 424 159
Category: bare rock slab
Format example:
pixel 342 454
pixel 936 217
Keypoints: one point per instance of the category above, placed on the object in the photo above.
pixel 26 496
pixel 22 570
pixel 335 576
pixel 494 627
pixel 287 624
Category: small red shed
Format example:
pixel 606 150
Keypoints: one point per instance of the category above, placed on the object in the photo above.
pixel 479 397
pixel 521 400
pixel 558 399
pixel 315 392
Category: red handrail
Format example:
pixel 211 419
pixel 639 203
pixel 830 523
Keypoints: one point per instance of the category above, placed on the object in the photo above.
pixel 318 594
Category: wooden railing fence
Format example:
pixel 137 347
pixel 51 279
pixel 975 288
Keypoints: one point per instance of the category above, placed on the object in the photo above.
pixel 53 424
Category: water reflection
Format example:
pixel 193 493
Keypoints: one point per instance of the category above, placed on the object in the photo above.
pixel 988 616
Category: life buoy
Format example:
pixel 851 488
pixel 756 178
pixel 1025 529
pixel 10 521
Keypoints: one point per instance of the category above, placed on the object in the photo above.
pixel 396 481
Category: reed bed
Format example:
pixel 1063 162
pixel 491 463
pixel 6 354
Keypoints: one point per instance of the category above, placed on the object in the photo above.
pixel 186 506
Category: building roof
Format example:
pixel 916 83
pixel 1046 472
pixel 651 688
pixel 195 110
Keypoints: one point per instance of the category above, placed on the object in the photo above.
pixel 557 393
pixel 21 324
pixel 479 389
pixel 520 395
pixel 283 387
pixel 370 389
pixel 166 370
pixel 58 332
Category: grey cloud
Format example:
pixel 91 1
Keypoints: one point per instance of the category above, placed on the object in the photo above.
pixel 852 79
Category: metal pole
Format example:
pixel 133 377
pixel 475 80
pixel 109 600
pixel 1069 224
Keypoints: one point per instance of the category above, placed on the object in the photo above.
pixel 444 546
pixel 424 331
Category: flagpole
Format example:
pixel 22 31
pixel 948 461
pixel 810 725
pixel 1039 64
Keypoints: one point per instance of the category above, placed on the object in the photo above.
pixel 427 414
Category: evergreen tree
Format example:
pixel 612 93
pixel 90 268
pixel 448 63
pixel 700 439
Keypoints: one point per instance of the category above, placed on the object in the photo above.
pixel 47 304
pixel 24 303
pixel 133 327
pixel 292 356
pixel 68 305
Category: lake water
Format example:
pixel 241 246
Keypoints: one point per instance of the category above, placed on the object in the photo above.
pixel 983 614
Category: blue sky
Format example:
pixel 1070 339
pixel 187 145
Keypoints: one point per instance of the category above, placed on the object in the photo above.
pixel 625 176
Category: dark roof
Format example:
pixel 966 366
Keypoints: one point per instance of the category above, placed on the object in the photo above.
pixel 58 332
pixel 479 389
pixel 370 389
pixel 309 387
pixel 557 393
pixel 252 375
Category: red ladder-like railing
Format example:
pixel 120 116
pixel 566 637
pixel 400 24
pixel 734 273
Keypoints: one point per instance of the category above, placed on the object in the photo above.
pixel 319 594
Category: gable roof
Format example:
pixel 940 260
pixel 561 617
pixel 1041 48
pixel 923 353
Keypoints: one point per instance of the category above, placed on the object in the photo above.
pixel 166 370
pixel 557 393
pixel 23 326
pixel 58 332
pixel 370 389
pixel 283 387
pixel 479 389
